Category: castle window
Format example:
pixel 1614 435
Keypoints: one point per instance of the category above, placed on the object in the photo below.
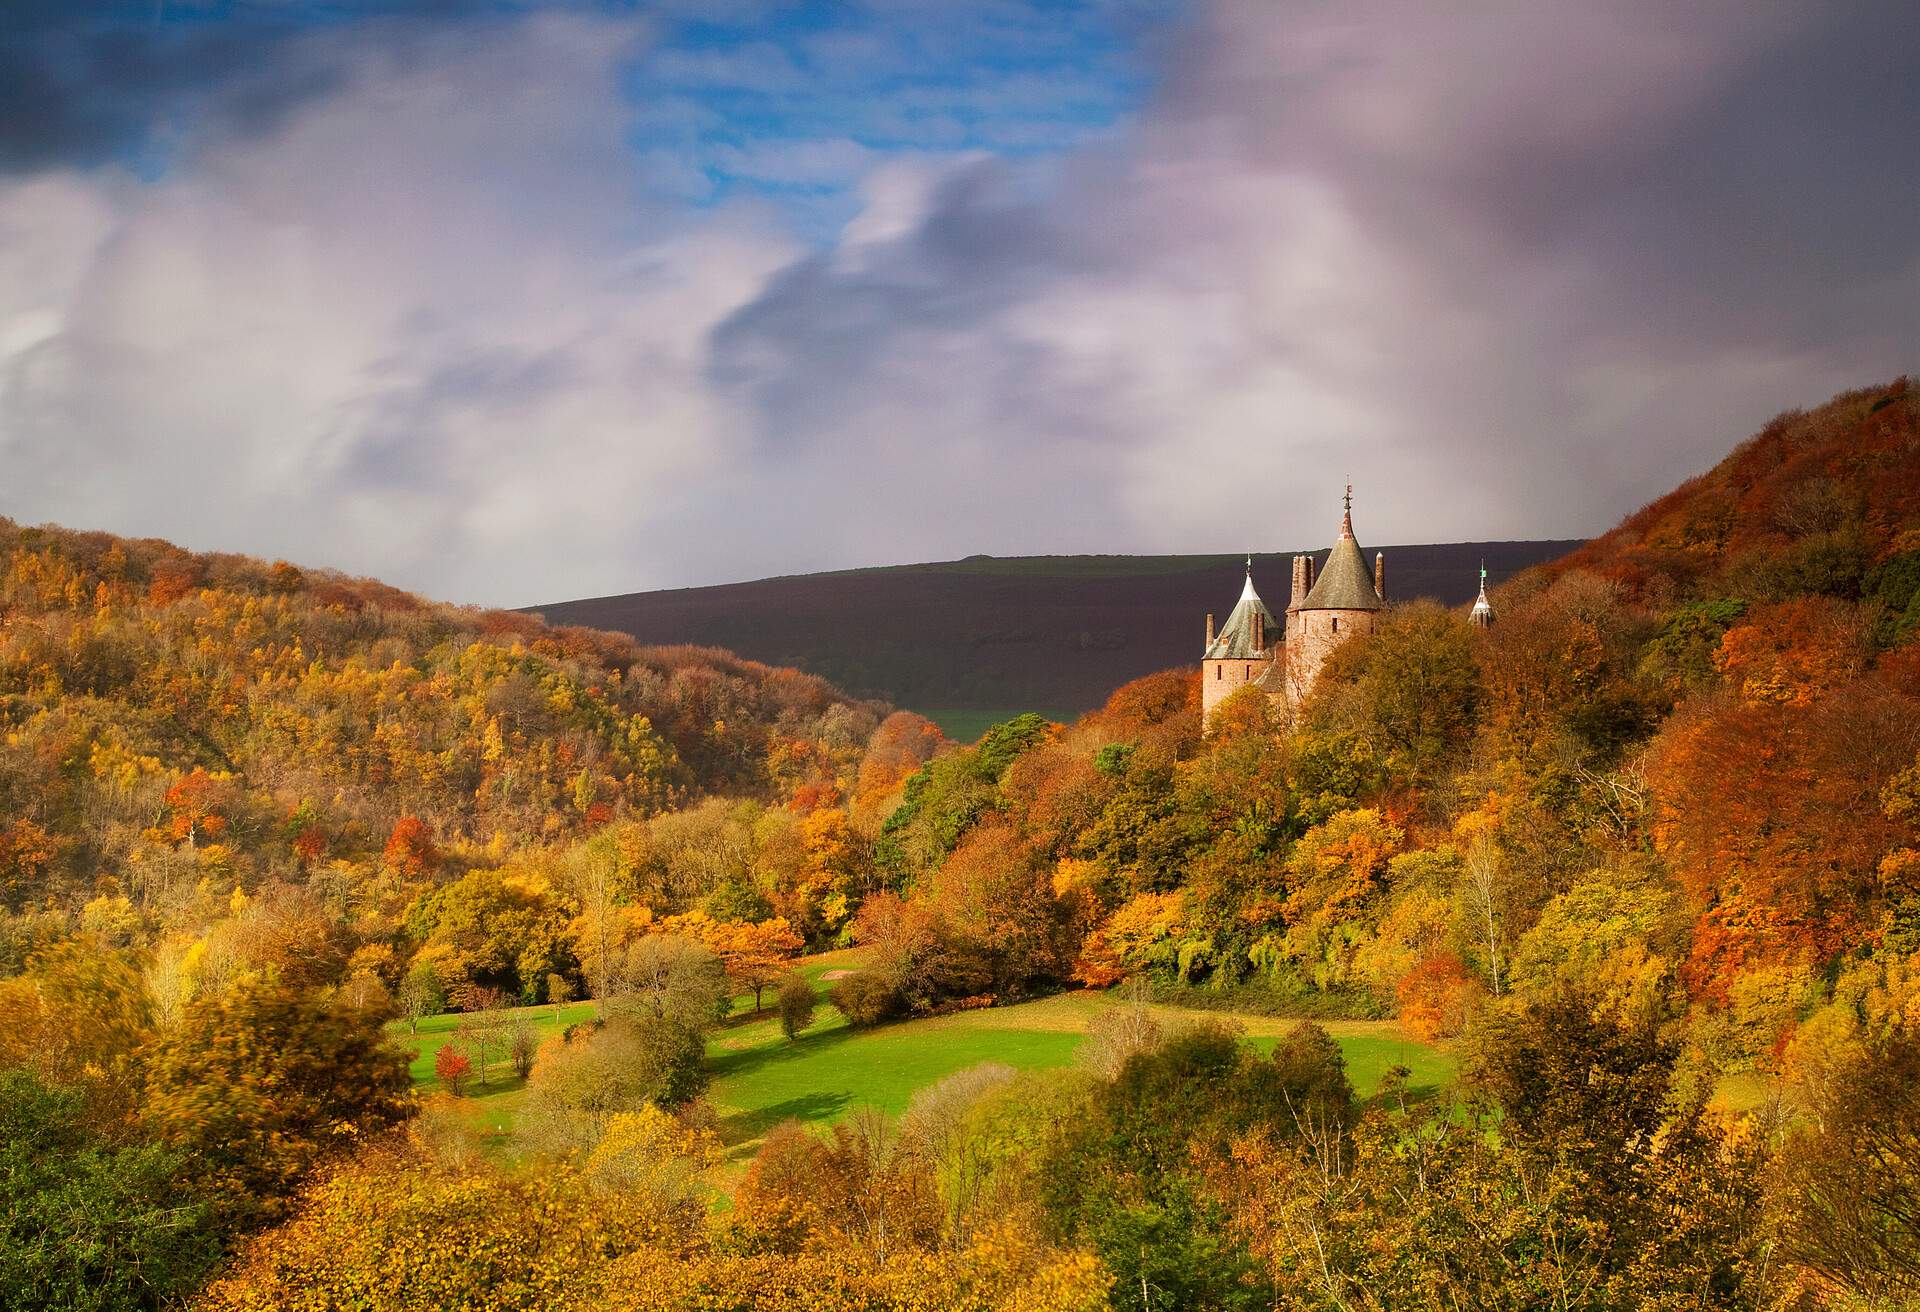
pixel 1219 670
pixel 1249 673
pixel 1336 625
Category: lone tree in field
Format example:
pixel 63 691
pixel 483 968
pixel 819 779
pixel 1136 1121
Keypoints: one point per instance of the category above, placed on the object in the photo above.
pixel 453 1068
pixel 795 1003
pixel 486 1027
pixel 421 995
pixel 523 1042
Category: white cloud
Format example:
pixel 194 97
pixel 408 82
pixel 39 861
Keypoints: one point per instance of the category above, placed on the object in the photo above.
pixel 430 329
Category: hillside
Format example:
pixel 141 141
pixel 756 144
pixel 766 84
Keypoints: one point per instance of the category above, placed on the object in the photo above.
pixel 1818 501
pixel 171 718
pixel 1050 633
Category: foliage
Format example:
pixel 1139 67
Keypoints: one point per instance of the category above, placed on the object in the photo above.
pixel 86 1224
pixel 795 1003
pixel 1847 1182
pixel 866 998
pixel 260 1086
pixel 623 1064
pixel 452 1067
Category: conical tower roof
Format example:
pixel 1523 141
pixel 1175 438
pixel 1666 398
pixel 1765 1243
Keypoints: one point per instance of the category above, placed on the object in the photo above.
pixel 1234 642
pixel 1344 582
pixel 1482 613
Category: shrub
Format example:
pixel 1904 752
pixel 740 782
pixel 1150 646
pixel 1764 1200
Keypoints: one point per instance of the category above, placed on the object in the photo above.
pixel 86 1224
pixel 523 1041
pixel 620 1065
pixel 796 1003
pixel 866 998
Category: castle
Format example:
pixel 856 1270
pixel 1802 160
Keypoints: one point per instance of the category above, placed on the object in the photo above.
pixel 1327 606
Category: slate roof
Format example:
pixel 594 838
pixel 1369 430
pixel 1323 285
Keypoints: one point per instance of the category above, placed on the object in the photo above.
pixel 1234 641
pixel 1345 582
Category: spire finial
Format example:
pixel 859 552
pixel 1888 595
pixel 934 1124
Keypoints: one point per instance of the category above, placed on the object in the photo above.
pixel 1249 564
pixel 1346 514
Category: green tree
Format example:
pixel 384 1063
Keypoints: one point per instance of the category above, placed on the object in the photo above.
pixel 796 1003
pixel 1411 688
pixel 86 1225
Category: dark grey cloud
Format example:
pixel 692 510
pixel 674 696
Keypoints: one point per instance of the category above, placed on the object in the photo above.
pixel 82 84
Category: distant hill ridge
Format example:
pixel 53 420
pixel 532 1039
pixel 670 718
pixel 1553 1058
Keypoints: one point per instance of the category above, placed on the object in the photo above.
pixel 1054 633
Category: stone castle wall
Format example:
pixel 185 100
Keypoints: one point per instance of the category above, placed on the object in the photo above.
pixel 1222 679
pixel 1312 636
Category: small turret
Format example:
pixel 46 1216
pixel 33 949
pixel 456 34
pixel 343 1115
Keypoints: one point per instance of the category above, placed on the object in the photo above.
pixel 1380 574
pixel 1241 650
pixel 1481 617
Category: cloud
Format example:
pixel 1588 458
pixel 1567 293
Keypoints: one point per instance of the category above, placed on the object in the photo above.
pixel 429 328
pixel 439 318
pixel 1514 271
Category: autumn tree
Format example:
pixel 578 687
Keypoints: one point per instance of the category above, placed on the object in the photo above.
pixel 1845 1181
pixel 671 977
pixel 196 806
pixel 452 1067
pixel 599 1070
pixel 261 1084
pixel 420 995
pixel 1411 688
pixel 410 850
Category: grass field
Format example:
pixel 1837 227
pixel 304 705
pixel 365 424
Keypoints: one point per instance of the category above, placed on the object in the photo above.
pixel 760 1079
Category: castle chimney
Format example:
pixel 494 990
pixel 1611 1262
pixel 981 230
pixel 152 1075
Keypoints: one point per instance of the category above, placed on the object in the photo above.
pixel 1299 579
pixel 1310 564
pixel 1259 631
pixel 1380 574
pixel 1209 628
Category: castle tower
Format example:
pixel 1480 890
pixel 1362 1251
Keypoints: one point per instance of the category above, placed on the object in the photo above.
pixel 1344 599
pixel 1481 617
pixel 1241 652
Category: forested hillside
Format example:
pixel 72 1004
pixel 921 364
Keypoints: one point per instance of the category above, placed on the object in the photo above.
pixel 181 728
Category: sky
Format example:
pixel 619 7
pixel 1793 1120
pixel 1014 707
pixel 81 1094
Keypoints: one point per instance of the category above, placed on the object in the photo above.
pixel 510 303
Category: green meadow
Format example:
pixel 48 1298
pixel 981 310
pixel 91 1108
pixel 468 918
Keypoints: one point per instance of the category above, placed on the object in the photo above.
pixel 760 1078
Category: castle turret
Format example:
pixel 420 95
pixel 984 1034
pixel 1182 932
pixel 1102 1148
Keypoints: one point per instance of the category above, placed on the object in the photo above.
pixel 1344 599
pixel 1240 652
pixel 1481 616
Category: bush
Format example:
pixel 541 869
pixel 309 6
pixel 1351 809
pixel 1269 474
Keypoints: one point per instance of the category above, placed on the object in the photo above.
pixel 620 1065
pixel 261 1085
pixel 866 998
pixel 86 1224
pixel 795 1003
